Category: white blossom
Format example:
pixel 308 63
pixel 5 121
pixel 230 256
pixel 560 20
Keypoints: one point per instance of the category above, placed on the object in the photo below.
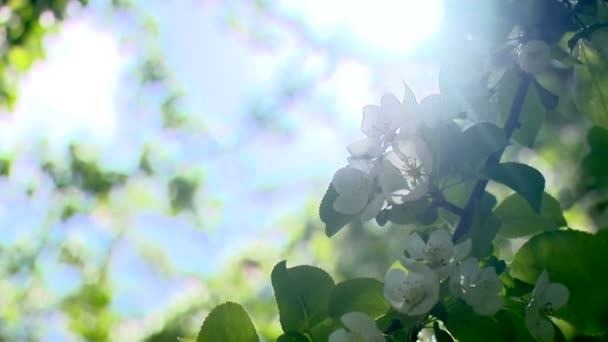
pixel 534 56
pixel 365 148
pixel 478 287
pixel 385 119
pixel 404 172
pixel 438 252
pixel 359 328
pixel 546 298
pixel 414 293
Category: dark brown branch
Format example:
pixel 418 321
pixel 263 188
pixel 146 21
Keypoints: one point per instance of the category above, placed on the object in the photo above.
pixel 512 123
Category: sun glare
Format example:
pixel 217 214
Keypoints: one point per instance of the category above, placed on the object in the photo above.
pixel 387 26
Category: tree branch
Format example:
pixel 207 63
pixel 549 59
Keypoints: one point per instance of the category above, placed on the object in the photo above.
pixel 512 123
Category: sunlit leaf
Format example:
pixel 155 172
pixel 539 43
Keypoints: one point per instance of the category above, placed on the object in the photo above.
pixel 532 113
pixel 577 260
pixel 591 84
pixel 523 179
pixel 361 294
pixel 227 322
pixel 302 295
pixel 519 219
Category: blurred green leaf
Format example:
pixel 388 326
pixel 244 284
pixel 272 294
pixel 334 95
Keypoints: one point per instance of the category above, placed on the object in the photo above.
pixel 577 260
pixel 302 295
pixel 532 113
pixel 334 221
pixel 590 92
pixel 227 322
pixel 292 337
pixel 362 295
pixel 523 179
pixel 519 219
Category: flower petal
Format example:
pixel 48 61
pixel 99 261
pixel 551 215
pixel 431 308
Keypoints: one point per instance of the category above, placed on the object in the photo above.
pixel 540 328
pixel 365 148
pixel 425 155
pixel 469 268
pixel 541 284
pixel 409 99
pixel 352 181
pixel 393 287
pixel 391 179
pixel 363 164
pixel 431 296
pixel 556 294
pixel 441 238
pixel 462 250
pixel 349 204
pixel 361 324
pixel 414 246
pixel 371 124
pixel 489 306
pixel 373 208
pixel 341 335
pixel 392 111
pixel 491 281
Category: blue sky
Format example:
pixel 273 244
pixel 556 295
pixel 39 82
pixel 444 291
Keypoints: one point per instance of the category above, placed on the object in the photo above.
pixel 84 91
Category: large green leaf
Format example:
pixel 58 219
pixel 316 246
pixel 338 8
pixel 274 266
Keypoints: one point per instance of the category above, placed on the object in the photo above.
pixel 591 87
pixel 532 113
pixel 594 165
pixel 505 325
pixel 302 295
pixel 577 260
pixel 523 179
pixel 480 140
pixel 519 219
pixel 361 294
pixel 227 322
pixel 334 221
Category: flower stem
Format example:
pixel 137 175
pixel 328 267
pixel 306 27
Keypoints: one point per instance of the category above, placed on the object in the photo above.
pixel 512 123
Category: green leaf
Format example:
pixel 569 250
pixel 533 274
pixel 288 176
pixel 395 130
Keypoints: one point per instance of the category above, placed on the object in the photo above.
pixel 334 221
pixel 532 113
pixel 227 322
pixel 408 212
pixel 505 326
pixel 523 179
pixel 302 295
pixel 292 336
pixel 479 141
pixel 519 219
pixel 361 294
pixel 577 260
pixel 595 168
pixel 591 90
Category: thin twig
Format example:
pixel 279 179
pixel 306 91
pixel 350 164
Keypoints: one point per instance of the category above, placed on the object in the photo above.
pixel 512 123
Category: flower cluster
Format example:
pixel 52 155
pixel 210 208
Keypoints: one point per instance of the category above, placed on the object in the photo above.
pixel 437 259
pixel 390 164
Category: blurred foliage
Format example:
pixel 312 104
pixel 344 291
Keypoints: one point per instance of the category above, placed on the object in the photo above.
pixel 356 251
pixel 23 26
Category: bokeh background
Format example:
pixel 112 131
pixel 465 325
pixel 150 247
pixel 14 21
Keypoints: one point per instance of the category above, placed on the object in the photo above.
pixel 157 158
